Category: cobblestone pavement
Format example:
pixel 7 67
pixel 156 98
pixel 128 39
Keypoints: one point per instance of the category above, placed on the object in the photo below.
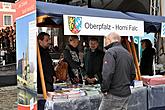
pixel 8 98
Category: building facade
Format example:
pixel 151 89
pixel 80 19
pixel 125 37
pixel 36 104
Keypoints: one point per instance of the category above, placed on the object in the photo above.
pixel 7 14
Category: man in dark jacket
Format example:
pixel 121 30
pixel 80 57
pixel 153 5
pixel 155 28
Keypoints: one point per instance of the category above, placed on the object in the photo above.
pixel 93 61
pixel 71 56
pixel 118 72
pixel 48 70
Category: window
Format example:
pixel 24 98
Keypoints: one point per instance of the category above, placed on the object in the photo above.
pixel 7 20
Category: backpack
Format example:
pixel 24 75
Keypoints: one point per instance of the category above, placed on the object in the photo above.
pixel 61 70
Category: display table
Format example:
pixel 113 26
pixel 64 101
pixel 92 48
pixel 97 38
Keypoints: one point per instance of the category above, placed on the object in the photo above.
pixel 153 80
pixel 138 101
pixel 83 103
pixel 156 96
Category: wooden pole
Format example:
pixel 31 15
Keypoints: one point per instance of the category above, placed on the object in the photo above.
pixel 41 19
pixel 127 44
pixel 41 73
pixel 138 75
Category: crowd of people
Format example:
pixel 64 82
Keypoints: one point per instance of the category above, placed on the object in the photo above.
pixel 113 69
pixel 8 38
pixel 8 45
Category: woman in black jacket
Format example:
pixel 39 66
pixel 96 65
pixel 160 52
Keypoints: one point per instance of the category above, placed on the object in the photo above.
pixel 71 56
pixel 147 58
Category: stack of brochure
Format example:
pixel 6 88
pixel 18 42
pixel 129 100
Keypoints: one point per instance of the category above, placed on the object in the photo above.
pixel 62 95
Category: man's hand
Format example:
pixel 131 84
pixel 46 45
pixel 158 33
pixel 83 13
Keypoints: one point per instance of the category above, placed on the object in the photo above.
pixel 91 80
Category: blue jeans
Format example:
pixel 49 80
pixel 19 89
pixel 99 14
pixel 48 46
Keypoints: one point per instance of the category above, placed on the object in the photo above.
pixel 111 102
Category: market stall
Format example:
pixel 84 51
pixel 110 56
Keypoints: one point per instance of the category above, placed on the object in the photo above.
pixel 94 22
pixel 97 23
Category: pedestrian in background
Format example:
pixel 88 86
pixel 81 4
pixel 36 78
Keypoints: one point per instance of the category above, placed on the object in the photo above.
pixel 118 72
pixel 146 62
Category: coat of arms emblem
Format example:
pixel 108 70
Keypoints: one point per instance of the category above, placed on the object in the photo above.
pixel 75 24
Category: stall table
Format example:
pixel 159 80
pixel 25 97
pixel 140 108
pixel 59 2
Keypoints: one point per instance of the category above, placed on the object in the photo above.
pixel 156 97
pixel 138 101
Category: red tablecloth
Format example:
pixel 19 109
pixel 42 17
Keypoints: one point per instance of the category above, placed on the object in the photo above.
pixel 153 80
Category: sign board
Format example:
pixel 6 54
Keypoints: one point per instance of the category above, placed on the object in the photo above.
pixel 24 7
pixel 26 54
pixel 163 29
pixel 85 25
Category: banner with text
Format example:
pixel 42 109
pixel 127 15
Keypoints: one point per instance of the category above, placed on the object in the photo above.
pixel 26 36
pixel 24 7
pixel 85 25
